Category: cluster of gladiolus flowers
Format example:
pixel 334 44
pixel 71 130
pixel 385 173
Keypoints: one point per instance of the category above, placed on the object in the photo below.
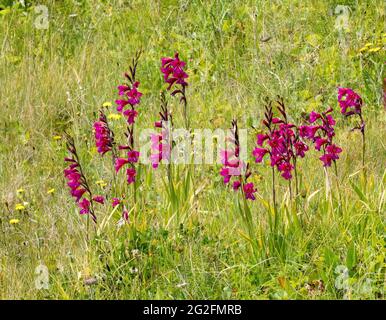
pixel 234 167
pixel 104 137
pixel 130 91
pixel 161 145
pixel 349 101
pixel 321 132
pixel 77 182
pixel 174 75
pixel 282 141
pixel 133 96
pixel 173 71
pixel 350 104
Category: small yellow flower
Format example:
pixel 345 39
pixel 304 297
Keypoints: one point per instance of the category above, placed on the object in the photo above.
pixel 51 191
pixel 56 138
pixel 107 104
pixel 101 183
pixel 14 221
pixel 114 116
pixel 21 190
pixel 375 49
pixel 19 207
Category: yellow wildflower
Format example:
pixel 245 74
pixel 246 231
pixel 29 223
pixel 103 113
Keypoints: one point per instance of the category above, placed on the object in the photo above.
pixel 101 183
pixel 21 190
pixel 375 49
pixel 14 221
pixel 114 116
pixel 19 207
pixel 51 191
pixel 107 104
pixel 56 138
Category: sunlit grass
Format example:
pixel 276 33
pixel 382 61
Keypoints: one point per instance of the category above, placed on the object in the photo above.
pixel 238 53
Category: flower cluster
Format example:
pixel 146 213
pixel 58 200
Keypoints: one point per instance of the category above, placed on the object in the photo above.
pixel 161 145
pixel 349 101
pixel 281 142
pixel 133 96
pixel 130 91
pixel 77 182
pixel 234 167
pixel 173 72
pixel 321 132
pixel 104 137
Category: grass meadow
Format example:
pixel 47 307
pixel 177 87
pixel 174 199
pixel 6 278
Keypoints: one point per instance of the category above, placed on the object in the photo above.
pixel 58 67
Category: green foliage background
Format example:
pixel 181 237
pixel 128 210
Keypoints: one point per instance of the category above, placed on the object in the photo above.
pixel 238 53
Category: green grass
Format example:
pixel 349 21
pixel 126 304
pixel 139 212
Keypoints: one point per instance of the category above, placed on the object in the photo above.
pixel 56 79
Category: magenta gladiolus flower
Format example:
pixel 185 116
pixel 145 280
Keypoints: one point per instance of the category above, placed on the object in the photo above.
pixel 173 71
pixel 132 156
pixel 115 202
pixel 125 216
pixel 334 151
pixel 130 115
pixel 326 159
pixel 99 199
pixel 121 104
pixel 285 169
pixel 77 181
pixel 225 173
pixel 349 101
pixel 249 190
pixel 300 148
pixel 134 95
pixel 314 116
pixel 84 206
pixel 261 138
pixel 104 138
pixel 259 154
pixel 133 98
pixel 283 141
pixel 322 135
pixel 319 142
pixel 131 173
pixel 236 185
pixel 119 163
